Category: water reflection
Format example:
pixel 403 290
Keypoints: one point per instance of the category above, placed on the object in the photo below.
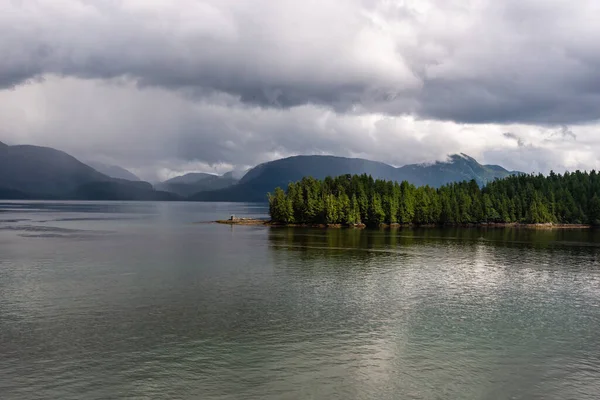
pixel 482 313
pixel 165 307
pixel 576 243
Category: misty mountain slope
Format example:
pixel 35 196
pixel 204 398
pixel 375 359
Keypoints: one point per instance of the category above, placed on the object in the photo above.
pixel 195 182
pixel 114 171
pixel 121 190
pixel 294 168
pixel 460 167
pixel 189 178
pixel 43 171
pixel 33 172
pixel 266 177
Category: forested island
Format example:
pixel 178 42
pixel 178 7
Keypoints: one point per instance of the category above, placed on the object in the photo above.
pixel 354 200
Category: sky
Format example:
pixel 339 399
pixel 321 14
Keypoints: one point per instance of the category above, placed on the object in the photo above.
pixel 163 87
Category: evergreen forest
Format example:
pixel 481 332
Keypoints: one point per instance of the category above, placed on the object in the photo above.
pixel 572 198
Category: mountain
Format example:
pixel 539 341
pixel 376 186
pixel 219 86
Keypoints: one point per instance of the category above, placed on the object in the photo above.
pixel 34 172
pixel 11 194
pixel 266 177
pixel 114 171
pixel 189 178
pixel 121 190
pixel 42 171
pixel 459 167
pixel 196 182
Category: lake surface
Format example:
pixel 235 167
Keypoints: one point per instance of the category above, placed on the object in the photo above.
pixel 143 300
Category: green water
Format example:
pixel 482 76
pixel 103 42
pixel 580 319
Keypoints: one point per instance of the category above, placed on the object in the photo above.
pixel 140 300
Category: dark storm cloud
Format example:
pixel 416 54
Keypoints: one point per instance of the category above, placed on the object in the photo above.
pixel 162 86
pixel 273 54
pixel 504 62
pixel 486 102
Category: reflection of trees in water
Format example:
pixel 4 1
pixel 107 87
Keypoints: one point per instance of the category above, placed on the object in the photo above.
pixel 469 297
pixel 332 239
pixel 318 241
pixel 335 246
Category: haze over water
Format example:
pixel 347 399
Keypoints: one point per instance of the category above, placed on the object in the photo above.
pixel 141 300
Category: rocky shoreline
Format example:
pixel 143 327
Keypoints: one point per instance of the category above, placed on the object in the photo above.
pixel 262 222
pixel 243 221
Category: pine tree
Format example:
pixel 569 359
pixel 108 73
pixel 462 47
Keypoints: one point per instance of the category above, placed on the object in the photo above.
pixel 280 207
pixel 594 210
pixel 376 212
pixel 331 209
pixel 344 211
pixel 354 217
pixel 569 198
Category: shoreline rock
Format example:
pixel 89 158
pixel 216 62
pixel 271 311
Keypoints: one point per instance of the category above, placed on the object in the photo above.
pixel 492 225
pixel 243 221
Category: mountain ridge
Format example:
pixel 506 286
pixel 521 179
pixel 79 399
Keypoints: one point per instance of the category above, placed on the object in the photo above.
pixel 113 171
pixel 37 172
pixel 190 177
pixel 194 182
pixel 266 176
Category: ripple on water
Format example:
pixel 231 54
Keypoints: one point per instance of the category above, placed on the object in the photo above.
pixel 160 307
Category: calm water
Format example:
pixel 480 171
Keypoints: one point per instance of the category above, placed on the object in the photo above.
pixel 140 300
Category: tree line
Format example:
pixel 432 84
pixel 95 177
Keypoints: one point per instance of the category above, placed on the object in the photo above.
pixel 571 198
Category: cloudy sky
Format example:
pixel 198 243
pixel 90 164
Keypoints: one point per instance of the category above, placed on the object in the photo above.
pixel 164 86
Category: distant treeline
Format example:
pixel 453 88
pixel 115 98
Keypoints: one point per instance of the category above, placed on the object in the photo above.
pixel 572 198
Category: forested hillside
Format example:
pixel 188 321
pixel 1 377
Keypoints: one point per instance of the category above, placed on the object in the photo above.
pixel 266 177
pixel 572 198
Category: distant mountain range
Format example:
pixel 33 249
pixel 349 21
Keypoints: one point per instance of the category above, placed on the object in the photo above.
pixel 189 184
pixel 266 177
pixel 114 171
pixel 33 172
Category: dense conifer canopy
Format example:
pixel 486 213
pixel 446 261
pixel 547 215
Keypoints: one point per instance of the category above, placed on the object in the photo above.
pixel 572 198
